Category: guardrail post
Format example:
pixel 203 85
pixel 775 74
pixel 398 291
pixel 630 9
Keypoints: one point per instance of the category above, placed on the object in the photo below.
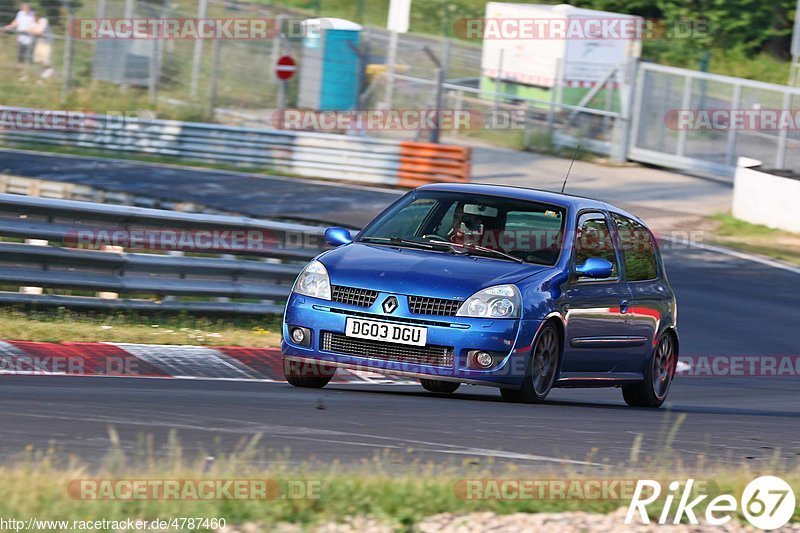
pixel 34 290
pixel 225 299
pixel 175 253
pixel 108 295
pixel 34 188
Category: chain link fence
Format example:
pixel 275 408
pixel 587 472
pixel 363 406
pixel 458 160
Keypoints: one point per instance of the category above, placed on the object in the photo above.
pixel 233 81
pixel 179 78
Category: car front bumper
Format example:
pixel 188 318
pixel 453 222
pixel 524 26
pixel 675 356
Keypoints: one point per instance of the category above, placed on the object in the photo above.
pixel 509 341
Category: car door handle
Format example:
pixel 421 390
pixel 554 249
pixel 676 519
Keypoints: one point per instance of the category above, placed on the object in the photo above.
pixel 624 306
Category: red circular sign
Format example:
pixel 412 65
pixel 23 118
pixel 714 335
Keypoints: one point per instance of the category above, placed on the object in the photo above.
pixel 285 67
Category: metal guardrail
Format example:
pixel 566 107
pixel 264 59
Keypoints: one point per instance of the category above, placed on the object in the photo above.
pixel 43 188
pixel 249 268
pixel 308 154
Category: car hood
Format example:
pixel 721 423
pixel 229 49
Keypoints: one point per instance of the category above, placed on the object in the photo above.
pixel 420 272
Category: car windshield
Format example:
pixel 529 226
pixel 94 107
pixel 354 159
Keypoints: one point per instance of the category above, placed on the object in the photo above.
pixel 497 227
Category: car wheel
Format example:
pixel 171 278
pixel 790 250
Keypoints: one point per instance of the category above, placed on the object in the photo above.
pixel 541 371
pixel 308 375
pixel 652 391
pixel 435 385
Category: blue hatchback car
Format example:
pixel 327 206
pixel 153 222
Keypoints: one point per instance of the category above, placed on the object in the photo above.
pixel 516 288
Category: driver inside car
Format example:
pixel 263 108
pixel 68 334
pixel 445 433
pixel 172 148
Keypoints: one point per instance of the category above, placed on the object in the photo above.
pixel 468 228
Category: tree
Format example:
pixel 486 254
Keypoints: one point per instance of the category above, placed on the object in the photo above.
pixel 748 26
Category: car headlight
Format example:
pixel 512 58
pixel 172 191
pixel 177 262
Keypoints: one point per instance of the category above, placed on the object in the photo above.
pixel 314 281
pixel 500 301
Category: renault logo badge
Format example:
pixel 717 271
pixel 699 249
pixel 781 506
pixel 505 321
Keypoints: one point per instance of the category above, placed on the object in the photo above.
pixel 389 305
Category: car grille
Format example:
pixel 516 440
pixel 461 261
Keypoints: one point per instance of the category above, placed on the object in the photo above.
pixel 430 355
pixel 433 306
pixel 353 296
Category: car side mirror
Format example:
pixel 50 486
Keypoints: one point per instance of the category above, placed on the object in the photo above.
pixel 596 268
pixel 338 236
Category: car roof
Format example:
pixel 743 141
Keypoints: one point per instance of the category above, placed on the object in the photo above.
pixel 569 201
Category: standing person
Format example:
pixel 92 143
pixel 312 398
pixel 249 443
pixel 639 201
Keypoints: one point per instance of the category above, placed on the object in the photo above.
pixel 23 22
pixel 42 48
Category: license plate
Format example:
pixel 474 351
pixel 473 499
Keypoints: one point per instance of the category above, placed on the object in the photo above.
pixel 386 331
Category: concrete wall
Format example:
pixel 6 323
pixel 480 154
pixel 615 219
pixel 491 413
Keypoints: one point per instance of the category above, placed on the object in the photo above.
pixel 762 198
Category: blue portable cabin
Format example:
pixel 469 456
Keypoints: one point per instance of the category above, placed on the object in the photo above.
pixel 329 65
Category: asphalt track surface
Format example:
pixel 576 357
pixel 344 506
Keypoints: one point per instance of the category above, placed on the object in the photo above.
pixel 254 195
pixel 727 306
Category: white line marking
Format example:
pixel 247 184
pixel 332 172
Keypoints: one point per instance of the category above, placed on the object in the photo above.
pixel 312 434
pixel 514 455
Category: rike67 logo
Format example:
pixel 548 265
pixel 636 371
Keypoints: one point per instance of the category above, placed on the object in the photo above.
pixel 767 502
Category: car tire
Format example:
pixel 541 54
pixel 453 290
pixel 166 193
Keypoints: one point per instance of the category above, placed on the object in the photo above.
pixel 653 390
pixel 307 375
pixel 436 385
pixel 542 369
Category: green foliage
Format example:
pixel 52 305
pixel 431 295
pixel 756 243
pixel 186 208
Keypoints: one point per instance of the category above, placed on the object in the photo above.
pixel 690 28
pixel 8 8
pixel 733 34
pixel 52 10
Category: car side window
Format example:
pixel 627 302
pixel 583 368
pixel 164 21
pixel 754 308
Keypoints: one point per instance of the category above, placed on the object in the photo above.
pixel 593 239
pixel 638 250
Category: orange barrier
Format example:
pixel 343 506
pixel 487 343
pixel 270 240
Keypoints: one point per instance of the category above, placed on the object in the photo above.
pixel 422 163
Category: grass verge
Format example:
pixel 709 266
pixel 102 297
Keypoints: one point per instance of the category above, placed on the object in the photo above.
pixel 59 325
pixel 756 238
pixel 42 484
